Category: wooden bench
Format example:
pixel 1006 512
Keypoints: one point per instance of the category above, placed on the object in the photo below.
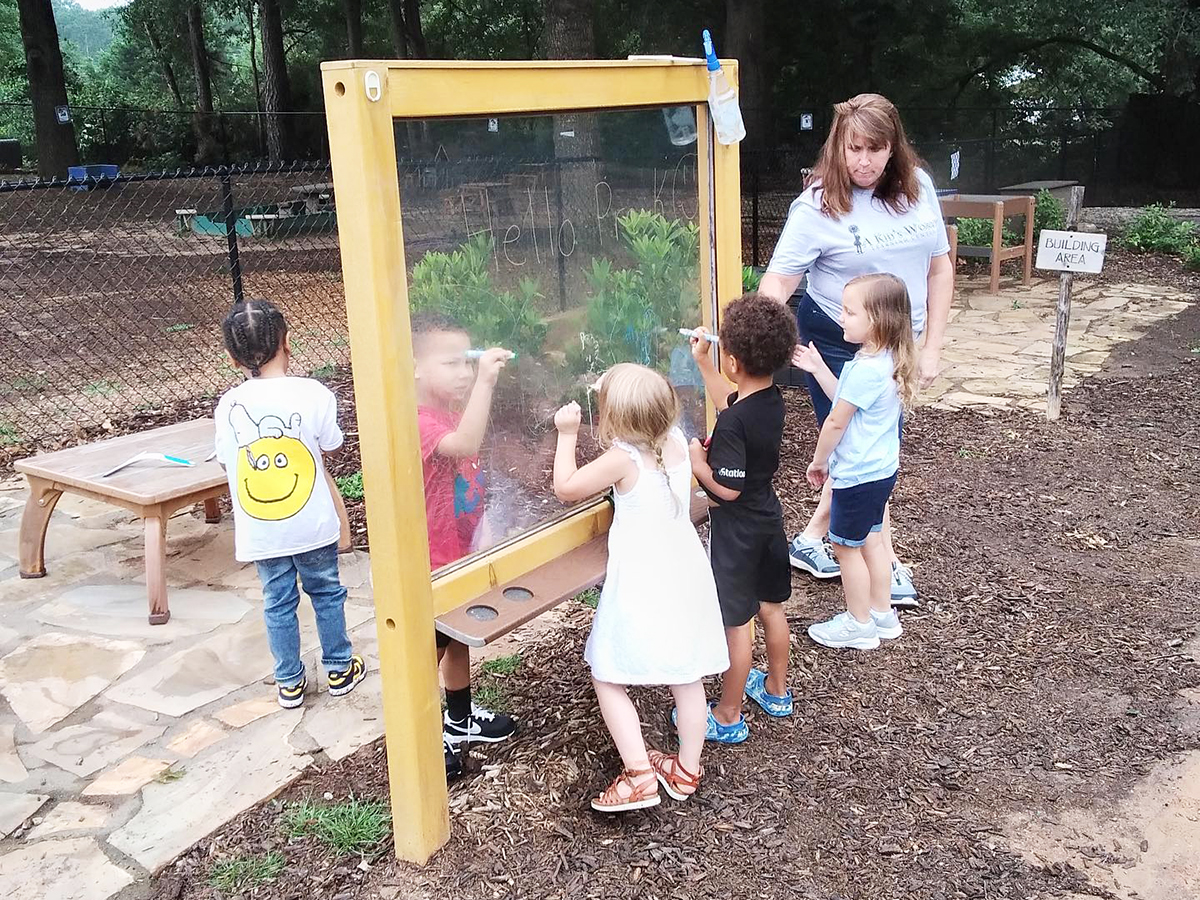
pixel 996 208
pixel 510 605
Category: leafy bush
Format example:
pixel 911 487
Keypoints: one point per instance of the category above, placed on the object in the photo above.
pixel 978 233
pixel 1191 258
pixel 1049 213
pixel 634 313
pixel 750 279
pixel 459 284
pixel 1154 230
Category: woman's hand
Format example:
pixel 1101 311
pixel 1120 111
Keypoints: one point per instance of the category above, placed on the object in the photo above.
pixel 567 419
pixel 808 358
pixel 929 365
pixel 817 473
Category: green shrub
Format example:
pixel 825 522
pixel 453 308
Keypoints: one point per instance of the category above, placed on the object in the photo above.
pixel 459 284
pixel 978 233
pixel 1049 213
pixel 750 279
pixel 1191 258
pixel 1154 230
pixel 634 314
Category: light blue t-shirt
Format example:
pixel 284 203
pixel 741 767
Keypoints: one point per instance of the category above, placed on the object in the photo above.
pixel 867 240
pixel 870 448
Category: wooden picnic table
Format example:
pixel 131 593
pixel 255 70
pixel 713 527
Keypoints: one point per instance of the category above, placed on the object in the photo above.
pixel 153 490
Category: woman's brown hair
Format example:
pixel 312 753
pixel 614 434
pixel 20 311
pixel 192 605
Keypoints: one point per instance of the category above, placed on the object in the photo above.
pixel 872 119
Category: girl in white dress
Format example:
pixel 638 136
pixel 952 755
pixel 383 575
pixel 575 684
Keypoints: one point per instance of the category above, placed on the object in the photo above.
pixel 658 622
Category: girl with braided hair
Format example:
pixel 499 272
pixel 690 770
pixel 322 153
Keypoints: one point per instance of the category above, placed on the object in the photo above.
pixel 271 433
pixel 658 622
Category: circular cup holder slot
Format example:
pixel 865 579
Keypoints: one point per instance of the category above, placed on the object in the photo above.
pixel 481 613
pixel 517 593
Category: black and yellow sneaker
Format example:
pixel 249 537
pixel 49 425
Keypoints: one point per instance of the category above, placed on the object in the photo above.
pixel 344 682
pixel 291 697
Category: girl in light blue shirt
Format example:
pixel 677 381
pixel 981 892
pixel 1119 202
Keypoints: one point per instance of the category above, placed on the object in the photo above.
pixel 859 452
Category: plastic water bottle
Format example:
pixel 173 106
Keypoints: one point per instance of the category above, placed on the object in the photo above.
pixel 722 99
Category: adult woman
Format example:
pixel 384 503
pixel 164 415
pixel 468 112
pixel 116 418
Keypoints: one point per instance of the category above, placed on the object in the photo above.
pixel 867 208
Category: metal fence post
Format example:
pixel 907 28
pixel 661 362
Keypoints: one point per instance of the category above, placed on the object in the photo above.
pixel 235 264
pixel 754 213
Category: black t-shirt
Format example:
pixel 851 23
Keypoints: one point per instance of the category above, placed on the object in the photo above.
pixel 744 453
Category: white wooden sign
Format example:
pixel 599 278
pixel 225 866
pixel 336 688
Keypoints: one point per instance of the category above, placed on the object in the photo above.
pixel 1071 251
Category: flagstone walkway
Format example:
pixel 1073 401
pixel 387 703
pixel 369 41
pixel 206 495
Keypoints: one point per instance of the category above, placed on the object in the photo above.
pixel 123 744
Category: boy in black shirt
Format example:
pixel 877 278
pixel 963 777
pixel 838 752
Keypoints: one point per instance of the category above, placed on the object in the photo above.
pixel 749 548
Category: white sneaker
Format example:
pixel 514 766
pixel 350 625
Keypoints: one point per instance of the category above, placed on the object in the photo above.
pixel 887 625
pixel 843 630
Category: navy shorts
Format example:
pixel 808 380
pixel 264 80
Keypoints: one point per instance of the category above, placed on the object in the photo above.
pixel 857 511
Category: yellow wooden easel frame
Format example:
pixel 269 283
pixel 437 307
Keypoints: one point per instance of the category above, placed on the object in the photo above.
pixel 362 101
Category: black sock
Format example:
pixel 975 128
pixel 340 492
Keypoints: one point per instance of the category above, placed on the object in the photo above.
pixel 458 704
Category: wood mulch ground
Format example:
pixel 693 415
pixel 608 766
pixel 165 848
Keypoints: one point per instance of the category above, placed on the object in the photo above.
pixel 1060 574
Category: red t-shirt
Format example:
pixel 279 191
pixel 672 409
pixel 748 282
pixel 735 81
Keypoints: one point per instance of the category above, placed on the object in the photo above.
pixel 454 489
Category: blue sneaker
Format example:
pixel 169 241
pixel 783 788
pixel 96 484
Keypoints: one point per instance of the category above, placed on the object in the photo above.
pixel 813 557
pixel 722 734
pixel 756 690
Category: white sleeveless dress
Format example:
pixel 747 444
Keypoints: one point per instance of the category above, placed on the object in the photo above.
pixel 658 621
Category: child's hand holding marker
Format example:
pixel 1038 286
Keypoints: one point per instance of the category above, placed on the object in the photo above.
pixel 698 333
pixel 491 362
pixel 568 418
pixel 700 340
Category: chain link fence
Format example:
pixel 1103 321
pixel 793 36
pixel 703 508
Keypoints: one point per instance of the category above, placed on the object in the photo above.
pixel 112 290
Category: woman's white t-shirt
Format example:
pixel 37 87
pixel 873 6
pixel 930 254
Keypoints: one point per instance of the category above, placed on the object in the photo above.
pixel 867 240
pixel 270 434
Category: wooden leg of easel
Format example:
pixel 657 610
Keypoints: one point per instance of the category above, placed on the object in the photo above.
pixel 345 543
pixel 156 569
pixel 1029 210
pixel 31 540
pixel 212 511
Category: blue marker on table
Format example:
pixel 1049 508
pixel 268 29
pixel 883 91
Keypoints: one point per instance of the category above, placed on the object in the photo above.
pixel 693 333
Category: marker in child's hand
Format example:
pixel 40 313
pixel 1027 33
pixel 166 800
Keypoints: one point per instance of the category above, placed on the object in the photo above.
pixel 478 354
pixel 696 333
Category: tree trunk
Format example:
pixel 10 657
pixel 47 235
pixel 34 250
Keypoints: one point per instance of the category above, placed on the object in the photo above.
pixel 203 120
pixel 399 37
pixel 277 92
pixel 354 28
pixel 748 40
pixel 258 120
pixel 413 28
pixel 56 145
pixel 165 62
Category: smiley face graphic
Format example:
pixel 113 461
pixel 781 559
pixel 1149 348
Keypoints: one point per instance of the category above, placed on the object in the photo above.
pixel 276 472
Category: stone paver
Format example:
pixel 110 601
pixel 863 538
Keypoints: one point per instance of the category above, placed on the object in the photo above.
pixel 196 737
pixel 71 818
pixel 344 724
pixel 16 808
pixel 50 676
pixel 61 870
pixel 213 790
pixel 119 610
pixel 241 714
pixel 12 769
pixel 127 778
pixel 91 746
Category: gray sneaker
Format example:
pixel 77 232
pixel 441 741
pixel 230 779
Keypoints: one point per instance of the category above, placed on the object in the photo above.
pixel 904 593
pixel 887 625
pixel 843 630
pixel 813 557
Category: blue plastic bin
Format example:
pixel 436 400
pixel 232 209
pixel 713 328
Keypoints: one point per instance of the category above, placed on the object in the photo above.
pixel 83 173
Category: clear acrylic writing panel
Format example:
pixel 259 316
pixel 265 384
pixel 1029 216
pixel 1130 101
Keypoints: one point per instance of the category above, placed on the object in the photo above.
pixel 569 239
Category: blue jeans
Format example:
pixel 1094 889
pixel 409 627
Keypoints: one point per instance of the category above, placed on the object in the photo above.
pixel 318 571
pixel 815 326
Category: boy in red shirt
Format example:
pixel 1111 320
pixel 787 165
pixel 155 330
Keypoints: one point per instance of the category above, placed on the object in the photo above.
pixel 451 433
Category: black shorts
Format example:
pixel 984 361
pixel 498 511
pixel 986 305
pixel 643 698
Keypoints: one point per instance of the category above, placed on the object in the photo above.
pixel 750 565
pixel 857 511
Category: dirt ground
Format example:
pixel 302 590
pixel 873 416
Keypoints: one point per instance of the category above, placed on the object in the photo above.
pixel 1034 733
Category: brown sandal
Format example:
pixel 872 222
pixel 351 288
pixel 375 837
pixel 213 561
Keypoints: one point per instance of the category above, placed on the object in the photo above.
pixel 673 776
pixel 641 796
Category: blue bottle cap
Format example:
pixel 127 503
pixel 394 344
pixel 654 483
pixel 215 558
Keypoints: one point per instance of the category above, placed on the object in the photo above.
pixel 709 54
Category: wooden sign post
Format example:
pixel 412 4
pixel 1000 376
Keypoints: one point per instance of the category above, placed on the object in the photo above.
pixel 1059 250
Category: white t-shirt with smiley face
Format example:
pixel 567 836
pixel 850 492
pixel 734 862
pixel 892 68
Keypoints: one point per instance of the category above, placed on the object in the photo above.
pixel 270 433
